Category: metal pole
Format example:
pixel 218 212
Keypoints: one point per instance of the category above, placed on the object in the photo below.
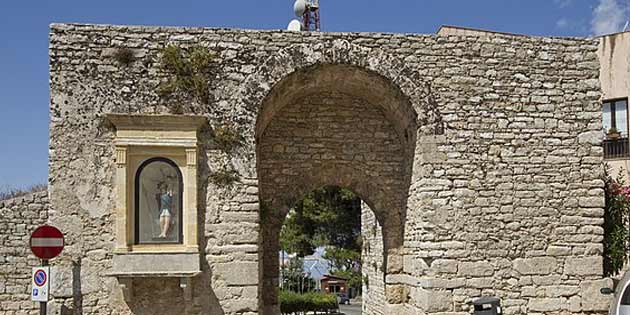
pixel 43 305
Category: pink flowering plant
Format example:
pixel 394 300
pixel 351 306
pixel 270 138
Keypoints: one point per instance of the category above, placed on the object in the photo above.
pixel 616 224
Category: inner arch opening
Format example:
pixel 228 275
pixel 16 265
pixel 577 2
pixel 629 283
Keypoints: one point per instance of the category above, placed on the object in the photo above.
pixel 333 125
pixel 331 246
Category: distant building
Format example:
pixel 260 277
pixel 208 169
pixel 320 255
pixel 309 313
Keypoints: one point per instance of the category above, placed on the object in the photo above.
pixel 614 75
pixel 317 267
pixel 334 284
pixel 314 266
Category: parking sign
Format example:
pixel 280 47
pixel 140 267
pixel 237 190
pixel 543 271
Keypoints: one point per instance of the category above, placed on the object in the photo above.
pixel 39 286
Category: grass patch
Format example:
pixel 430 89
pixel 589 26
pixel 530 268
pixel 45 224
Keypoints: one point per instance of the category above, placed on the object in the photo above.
pixel 224 177
pixel 124 56
pixel 227 137
pixel 189 72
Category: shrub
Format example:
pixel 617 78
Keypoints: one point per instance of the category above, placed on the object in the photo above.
pixel 616 225
pixel 224 177
pixel 292 303
pixel 189 72
pixel 320 302
pixel 124 56
pixel 227 137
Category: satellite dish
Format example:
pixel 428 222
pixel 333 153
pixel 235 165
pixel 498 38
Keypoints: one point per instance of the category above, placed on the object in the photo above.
pixel 299 7
pixel 295 26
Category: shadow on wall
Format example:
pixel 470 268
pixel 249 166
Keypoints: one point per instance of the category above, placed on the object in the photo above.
pixel 157 296
pixel 164 296
pixel 77 295
pixel 202 286
pixel 209 300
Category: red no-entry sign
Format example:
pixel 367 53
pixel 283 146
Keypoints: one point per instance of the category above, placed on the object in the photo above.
pixel 46 242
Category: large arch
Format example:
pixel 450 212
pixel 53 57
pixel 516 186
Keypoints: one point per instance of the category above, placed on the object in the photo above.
pixel 348 118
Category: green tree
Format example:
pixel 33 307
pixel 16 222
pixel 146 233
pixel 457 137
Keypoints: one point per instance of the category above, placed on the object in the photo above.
pixel 293 237
pixel 342 258
pixel 331 217
pixel 294 278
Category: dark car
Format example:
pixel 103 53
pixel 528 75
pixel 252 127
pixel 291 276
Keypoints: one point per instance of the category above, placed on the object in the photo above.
pixel 343 298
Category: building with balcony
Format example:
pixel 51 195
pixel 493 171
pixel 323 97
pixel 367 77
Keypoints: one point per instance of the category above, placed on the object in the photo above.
pixel 614 57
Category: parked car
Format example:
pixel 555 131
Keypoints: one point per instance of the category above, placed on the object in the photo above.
pixel 343 298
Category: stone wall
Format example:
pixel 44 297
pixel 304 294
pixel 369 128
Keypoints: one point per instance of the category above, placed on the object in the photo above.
pixel 502 179
pixel 327 132
pixel 372 263
pixel 18 218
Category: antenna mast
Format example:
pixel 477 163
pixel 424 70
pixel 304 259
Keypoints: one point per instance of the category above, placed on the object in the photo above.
pixel 310 19
pixel 308 10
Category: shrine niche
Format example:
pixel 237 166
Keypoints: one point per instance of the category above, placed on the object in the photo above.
pixel 156 199
pixel 158 202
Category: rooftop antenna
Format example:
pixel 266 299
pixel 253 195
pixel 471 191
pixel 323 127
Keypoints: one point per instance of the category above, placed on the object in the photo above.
pixel 308 10
pixel 625 27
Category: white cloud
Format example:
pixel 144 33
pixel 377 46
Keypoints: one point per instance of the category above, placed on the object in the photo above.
pixel 609 17
pixel 563 23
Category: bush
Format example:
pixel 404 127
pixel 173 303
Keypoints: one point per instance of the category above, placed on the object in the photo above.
pixel 292 303
pixel 189 72
pixel 227 137
pixel 616 225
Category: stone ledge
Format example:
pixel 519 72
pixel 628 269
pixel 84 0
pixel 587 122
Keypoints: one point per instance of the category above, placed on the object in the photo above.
pixel 156 265
pixel 154 274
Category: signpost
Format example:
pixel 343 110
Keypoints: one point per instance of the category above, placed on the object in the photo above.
pixel 41 279
pixel 46 242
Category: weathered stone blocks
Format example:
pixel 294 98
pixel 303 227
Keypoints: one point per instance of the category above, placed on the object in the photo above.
pixel 18 218
pixel 546 304
pixel 535 266
pixel 584 266
pixel 238 273
pixel 491 168
pixel 475 269
pixel 592 298
pixel 432 300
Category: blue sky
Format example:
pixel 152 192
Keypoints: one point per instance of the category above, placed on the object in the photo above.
pixel 24 25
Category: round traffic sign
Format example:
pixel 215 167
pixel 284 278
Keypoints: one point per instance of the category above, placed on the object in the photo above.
pixel 46 242
pixel 40 277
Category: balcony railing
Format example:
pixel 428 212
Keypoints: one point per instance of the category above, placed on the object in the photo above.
pixel 617 148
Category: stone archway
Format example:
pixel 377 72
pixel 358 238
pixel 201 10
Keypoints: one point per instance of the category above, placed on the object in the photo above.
pixel 342 116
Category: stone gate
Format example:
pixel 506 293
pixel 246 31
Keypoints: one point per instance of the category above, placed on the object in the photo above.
pixel 479 157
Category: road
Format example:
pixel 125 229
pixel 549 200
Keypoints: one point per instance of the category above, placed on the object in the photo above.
pixel 352 309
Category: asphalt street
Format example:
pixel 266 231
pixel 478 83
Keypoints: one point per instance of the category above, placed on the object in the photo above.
pixel 352 309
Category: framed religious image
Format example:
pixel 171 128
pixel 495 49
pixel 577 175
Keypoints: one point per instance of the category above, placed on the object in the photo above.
pixel 158 202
